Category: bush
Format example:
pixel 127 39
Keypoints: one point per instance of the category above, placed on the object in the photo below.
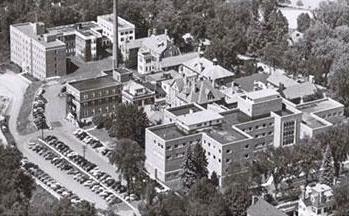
pixel 300 3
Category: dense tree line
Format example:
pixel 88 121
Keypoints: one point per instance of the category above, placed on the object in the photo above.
pixel 16 188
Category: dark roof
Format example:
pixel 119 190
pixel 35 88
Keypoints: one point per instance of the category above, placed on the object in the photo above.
pixel 263 208
pixel 94 83
pixel 247 83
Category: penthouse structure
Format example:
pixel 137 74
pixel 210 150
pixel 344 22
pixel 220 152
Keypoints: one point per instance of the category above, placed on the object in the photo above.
pixel 37 53
pixel 126 30
pixel 261 119
pixel 138 94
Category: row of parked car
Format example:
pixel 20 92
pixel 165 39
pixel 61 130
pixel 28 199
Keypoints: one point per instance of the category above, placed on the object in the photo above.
pixel 39 174
pixel 89 167
pixel 93 142
pixel 38 110
pixel 78 176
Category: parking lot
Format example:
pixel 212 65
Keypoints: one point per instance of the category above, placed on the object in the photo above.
pixel 14 86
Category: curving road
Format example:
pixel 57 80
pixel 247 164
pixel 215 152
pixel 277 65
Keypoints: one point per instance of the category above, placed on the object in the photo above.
pixel 14 86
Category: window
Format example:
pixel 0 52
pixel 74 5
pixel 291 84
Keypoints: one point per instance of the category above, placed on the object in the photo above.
pixel 228 151
pixel 288 132
pixel 246 156
pixel 247 146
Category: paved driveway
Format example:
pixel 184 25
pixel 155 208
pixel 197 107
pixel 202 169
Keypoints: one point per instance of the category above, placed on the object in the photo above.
pixel 13 86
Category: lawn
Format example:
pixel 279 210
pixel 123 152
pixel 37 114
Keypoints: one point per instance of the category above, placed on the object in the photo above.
pixel 24 124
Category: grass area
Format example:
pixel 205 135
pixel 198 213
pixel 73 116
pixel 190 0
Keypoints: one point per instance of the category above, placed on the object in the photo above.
pixel 24 125
pixel 42 202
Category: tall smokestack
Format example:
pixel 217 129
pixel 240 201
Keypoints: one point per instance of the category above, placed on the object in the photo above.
pixel 115 35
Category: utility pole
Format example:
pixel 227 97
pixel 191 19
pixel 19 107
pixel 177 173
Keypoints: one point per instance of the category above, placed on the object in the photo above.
pixel 42 129
pixel 84 150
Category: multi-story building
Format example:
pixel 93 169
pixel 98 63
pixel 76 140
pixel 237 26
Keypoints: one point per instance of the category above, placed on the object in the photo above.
pixel 82 39
pixel 138 94
pixel 126 29
pixel 91 97
pixel 316 200
pixel 37 53
pixel 153 50
pixel 261 119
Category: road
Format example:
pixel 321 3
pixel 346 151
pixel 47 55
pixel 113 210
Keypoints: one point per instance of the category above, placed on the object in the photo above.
pixel 14 86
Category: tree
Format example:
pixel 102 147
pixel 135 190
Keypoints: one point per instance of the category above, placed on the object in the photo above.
pixel 332 13
pixel 200 162
pixel 205 200
pixel 237 192
pixel 194 166
pixel 16 186
pixel 309 154
pixel 166 204
pixel 341 198
pixel 338 140
pixel 65 207
pixel 214 179
pixel 129 121
pixel 188 176
pixel 303 22
pixel 129 158
pixel 339 80
pixel 326 175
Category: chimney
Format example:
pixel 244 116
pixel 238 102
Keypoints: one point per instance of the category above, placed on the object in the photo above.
pixel 154 31
pixel 166 32
pixel 115 35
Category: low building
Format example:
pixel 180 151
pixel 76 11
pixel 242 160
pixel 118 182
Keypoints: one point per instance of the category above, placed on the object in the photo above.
pixel 138 94
pixel 37 53
pixel 210 70
pixel 183 91
pixel 316 200
pixel 91 97
pixel 263 208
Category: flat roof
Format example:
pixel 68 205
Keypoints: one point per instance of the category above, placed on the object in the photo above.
pixel 262 94
pixel 199 117
pixel 28 29
pixel 311 121
pixel 122 23
pixel 177 60
pixel 168 132
pixel 72 27
pixel 226 135
pixel 185 109
pixel 94 83
pixel 319 105
pixel 163 75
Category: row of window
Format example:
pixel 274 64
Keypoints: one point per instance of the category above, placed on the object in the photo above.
pixel 270 133
pixel 100 93
pixel 258 127
pixel 334 114
pixel 100 110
